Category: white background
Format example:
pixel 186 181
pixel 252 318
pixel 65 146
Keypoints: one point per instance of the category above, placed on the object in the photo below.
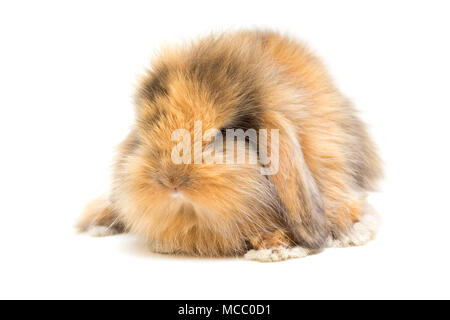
pixel 67 73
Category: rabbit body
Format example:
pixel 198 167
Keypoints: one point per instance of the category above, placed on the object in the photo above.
pixel 240 80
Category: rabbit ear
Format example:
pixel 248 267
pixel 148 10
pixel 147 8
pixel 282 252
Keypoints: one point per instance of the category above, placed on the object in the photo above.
pixel 297 189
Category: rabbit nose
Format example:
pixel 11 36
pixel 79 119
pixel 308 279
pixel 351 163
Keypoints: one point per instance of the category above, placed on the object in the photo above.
pixel 169 182
pixel 173 179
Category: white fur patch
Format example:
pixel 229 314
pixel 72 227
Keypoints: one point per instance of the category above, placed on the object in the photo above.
pixel 160 247
pixel 276 254
pixel 361 232
pixel 101 231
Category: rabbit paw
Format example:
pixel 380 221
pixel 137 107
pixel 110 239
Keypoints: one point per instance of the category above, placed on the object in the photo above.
pixel 276 254
pixel 99 219
pixel 360 233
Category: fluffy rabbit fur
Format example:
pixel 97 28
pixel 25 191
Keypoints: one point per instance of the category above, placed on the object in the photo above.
pixel 247 79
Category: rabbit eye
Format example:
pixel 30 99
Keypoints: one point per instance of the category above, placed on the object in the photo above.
pixel 223 131
pixel 245 121
pixel 218 137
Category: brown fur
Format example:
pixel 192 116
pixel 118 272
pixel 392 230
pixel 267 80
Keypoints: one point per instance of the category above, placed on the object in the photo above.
pixel 242 80
pixel 276 239
pixel 99 212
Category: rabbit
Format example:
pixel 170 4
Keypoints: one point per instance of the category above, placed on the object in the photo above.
pixel 248 79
